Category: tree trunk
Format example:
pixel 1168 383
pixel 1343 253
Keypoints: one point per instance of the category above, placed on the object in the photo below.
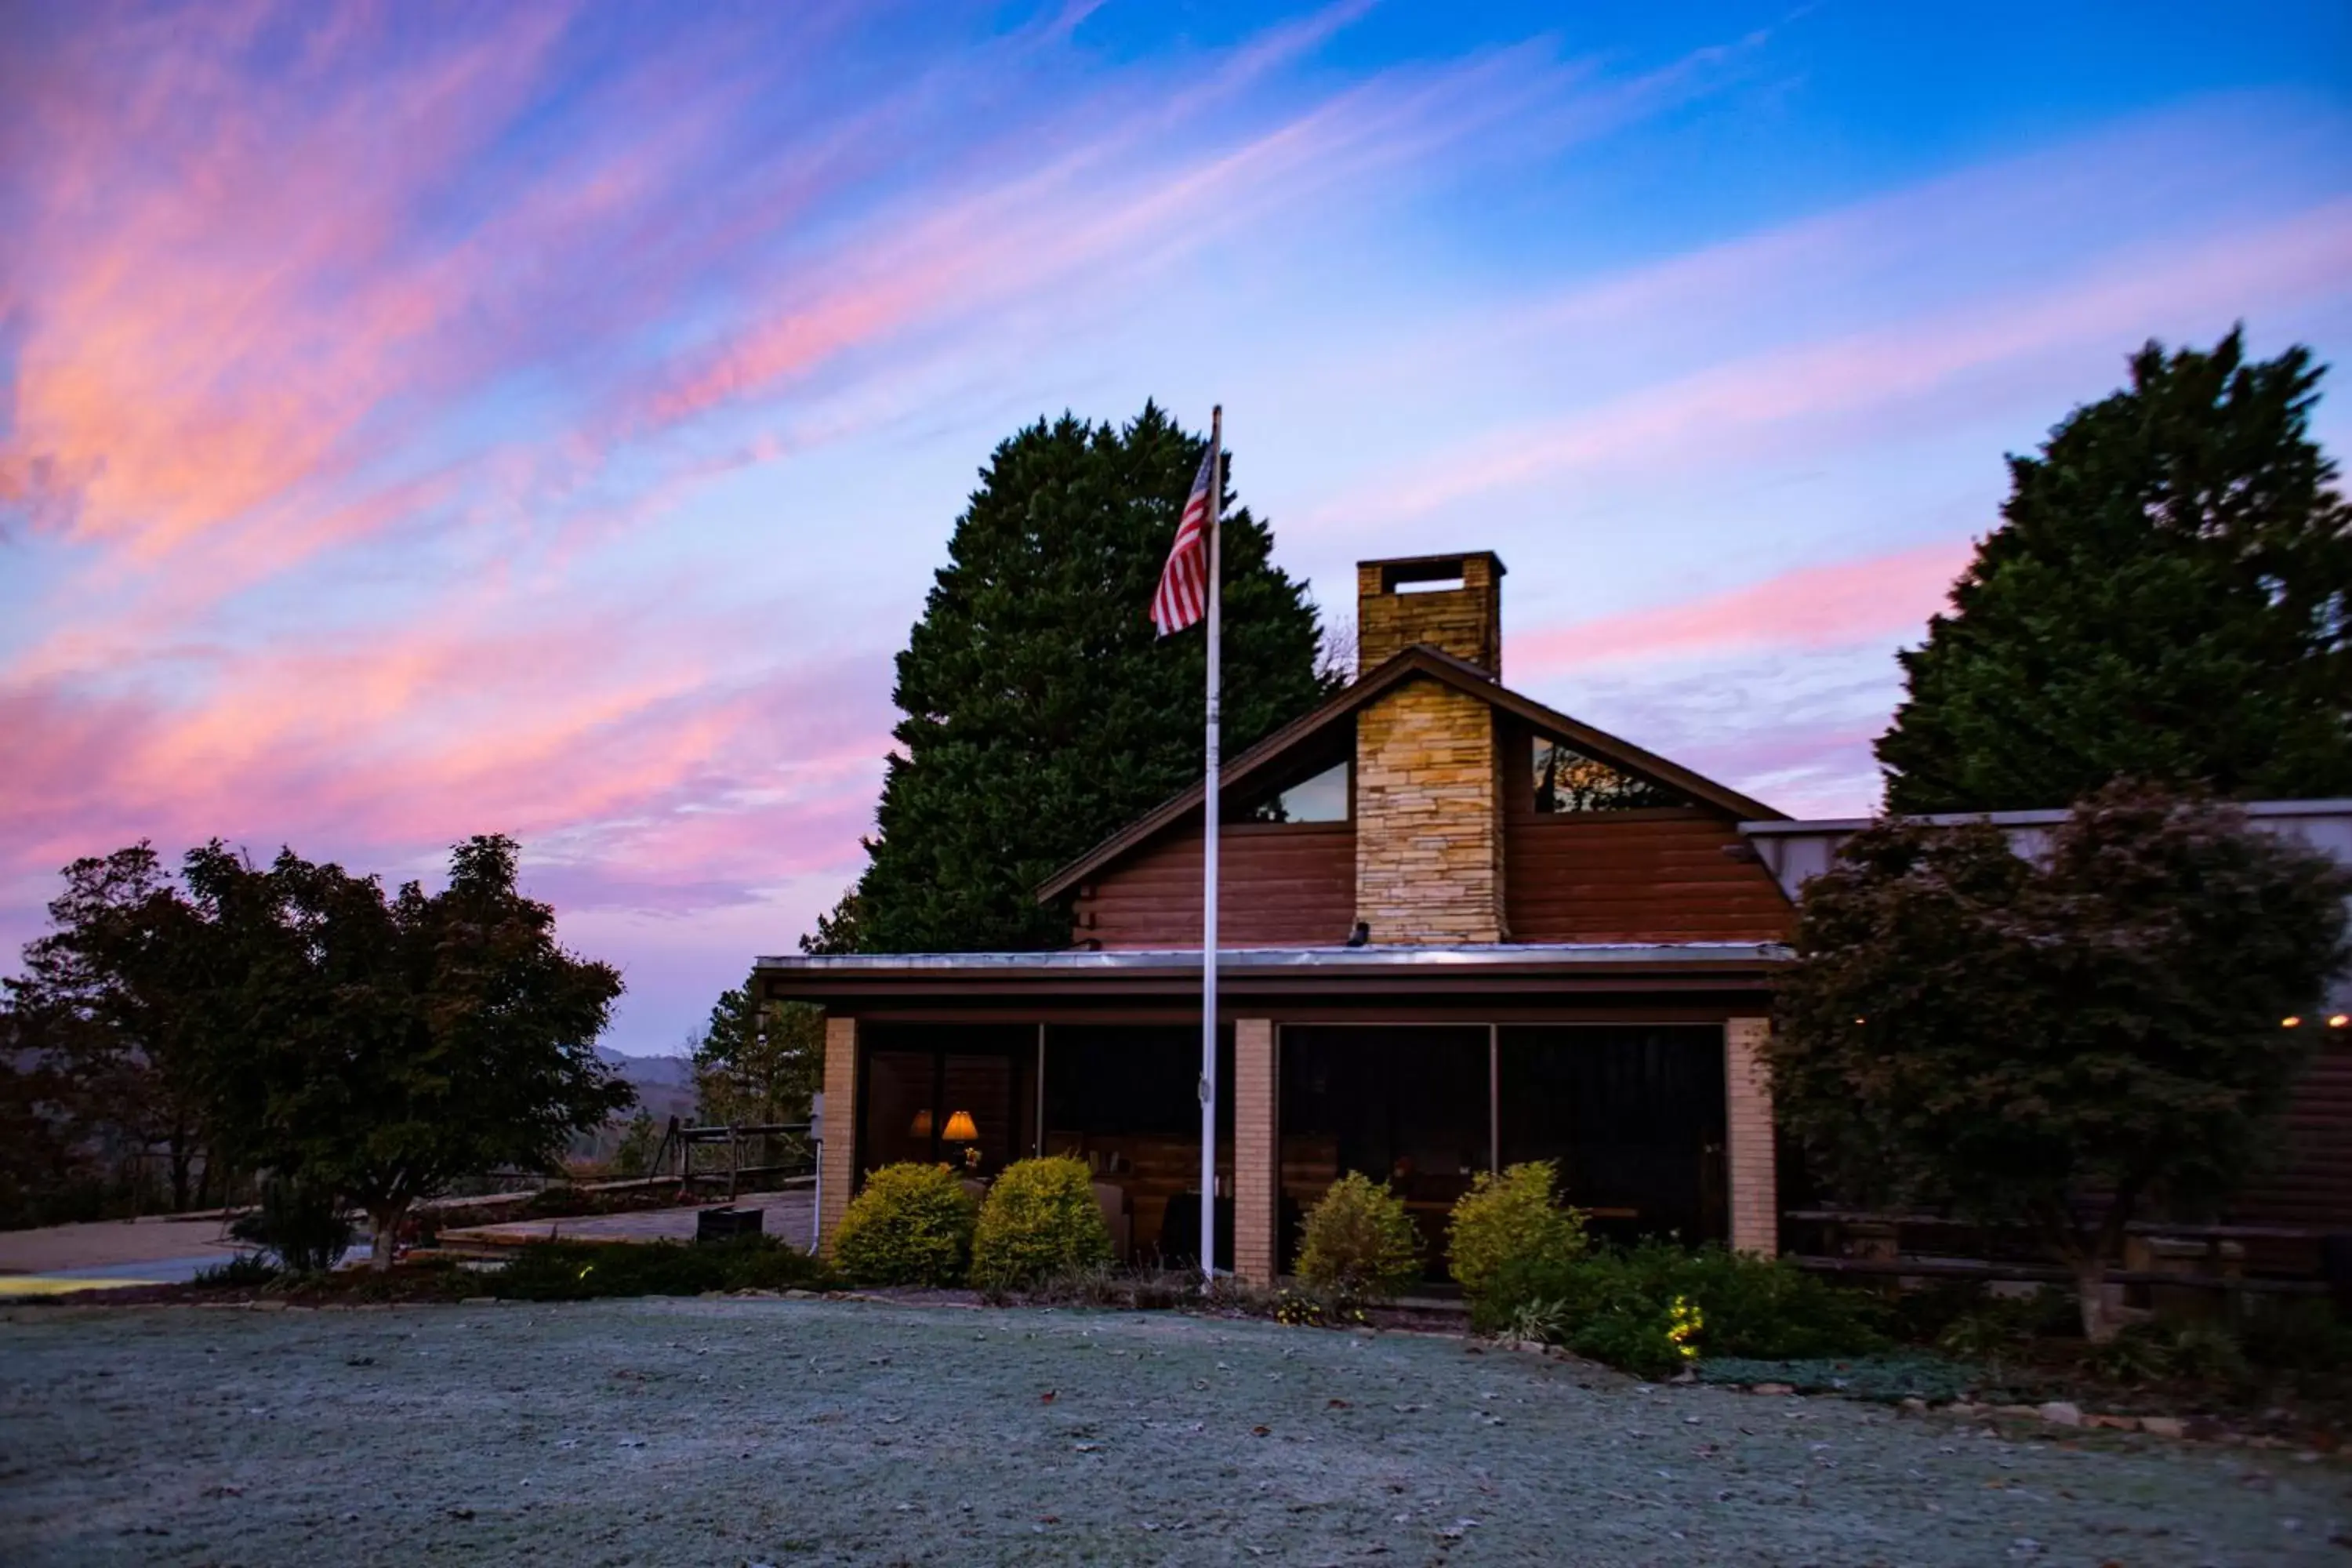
pixel 182 1156
pixel 2091 1296
pixel 387 1234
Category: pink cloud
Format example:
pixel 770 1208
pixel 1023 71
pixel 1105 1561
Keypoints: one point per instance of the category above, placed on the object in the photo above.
pixel 1840 603
pixel 1860 375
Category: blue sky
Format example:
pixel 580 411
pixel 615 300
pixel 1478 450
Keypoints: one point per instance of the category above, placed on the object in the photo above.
pixel 420 421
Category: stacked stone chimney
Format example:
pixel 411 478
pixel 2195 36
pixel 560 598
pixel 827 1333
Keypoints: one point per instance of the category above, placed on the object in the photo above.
pixel 1429 828
pixel 1451 603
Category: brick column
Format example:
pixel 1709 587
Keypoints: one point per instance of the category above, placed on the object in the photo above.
pixel 837 1166
pixel 1257 1150
pixel 1747 1095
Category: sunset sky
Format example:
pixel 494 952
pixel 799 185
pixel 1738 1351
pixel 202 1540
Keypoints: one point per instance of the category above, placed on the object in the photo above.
pixel 419 421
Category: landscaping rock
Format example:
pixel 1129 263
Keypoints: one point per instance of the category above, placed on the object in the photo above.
pixel 2113 1422
pixel 2164 1426
pixel 2061 1413
pixel 1771 1388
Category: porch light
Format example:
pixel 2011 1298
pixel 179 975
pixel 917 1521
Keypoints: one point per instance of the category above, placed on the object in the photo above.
pixel 2340 1019
pixel 960 1128
pixel 923 1127
pixel 2289 1022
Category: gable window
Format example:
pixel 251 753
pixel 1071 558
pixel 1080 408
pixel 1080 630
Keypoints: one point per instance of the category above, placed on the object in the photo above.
pixel 1567 780
pixel 1322 798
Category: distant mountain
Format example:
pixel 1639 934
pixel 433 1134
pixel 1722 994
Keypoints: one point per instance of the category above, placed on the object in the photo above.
pixel 664 1085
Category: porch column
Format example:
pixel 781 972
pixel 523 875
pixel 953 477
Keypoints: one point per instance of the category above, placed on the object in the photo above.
pixel 1257 1152
pixel 837 1165
pixel 1748 1120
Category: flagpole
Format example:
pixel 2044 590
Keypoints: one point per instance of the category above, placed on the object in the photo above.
pixel 1209 859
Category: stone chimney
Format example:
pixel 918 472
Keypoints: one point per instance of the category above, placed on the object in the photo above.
pixel 1452 603
pixel 1429 828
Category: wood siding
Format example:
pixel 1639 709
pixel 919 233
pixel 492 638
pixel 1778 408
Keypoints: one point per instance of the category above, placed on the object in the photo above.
pixel 2311 1185
pixel 1635 876
pixel 1287 886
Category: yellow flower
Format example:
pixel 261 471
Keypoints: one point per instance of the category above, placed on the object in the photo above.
pixel 1683 1325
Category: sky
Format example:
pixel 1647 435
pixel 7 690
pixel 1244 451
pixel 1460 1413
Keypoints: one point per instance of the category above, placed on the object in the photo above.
pixel 420 421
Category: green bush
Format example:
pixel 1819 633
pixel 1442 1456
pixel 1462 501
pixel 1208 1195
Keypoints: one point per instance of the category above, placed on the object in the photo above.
pixel 2304 1336
pixel 1514 1215
pixel 581 1271
pixel 1040 1220
pixel 1358 1242
pixel 1621 1305
pixel 300 1223
pixel 912 1225
pixel 246 1271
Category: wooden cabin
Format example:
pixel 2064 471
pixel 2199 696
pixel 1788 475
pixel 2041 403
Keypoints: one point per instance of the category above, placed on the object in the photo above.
pixel 1457 929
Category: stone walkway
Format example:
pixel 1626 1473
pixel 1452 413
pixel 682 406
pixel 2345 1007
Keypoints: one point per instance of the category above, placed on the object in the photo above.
pixel 789 1216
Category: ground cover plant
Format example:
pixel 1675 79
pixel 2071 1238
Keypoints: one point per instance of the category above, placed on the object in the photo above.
pixel 910 1225
pixel 1651 1308
pixel 579 1271
pixel 1040 1220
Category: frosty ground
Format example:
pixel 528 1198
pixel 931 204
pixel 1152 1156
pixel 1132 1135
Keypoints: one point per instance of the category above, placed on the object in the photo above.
pixel 781 1431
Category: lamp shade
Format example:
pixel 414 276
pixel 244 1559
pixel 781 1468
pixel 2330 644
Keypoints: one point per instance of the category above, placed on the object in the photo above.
pixel 960 1128
pixel 923 1127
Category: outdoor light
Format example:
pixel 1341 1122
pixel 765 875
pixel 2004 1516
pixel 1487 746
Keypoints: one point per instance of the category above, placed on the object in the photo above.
pixel 2289 1022
pixel 960 1128
pixel 2340 1019
pixel 923 1127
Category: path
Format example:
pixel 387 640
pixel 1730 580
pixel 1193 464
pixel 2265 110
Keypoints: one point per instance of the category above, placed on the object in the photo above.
pixel 789 1215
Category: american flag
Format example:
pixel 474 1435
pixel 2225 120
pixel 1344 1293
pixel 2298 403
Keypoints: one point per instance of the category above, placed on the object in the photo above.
pixel 1183 595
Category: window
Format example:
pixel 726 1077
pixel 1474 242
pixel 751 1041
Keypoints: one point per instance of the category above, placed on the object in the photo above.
pixel 1323 799
pixel 1567 780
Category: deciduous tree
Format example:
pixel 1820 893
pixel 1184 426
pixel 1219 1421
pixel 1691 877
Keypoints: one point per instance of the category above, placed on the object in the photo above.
pixel 389 1046
pixel 2059 1042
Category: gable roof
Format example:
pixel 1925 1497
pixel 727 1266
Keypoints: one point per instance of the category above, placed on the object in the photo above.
pixel 1419 662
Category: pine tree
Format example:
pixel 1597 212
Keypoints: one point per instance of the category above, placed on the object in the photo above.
pixel 2168 598
pixel 1041 711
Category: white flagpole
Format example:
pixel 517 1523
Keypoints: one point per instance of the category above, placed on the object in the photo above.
pixel 1209 861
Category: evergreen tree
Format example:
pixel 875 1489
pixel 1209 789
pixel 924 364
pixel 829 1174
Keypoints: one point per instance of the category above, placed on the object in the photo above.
pixel 2168 598
pixel 1041 712
pixel 750 1070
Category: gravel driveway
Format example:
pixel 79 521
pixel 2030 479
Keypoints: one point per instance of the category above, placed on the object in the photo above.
pixel 778 1432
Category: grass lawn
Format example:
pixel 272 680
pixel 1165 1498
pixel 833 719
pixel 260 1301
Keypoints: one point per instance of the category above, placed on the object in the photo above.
pixel 729 1431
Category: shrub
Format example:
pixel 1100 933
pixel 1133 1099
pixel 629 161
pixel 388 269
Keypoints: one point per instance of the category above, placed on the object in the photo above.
pixel 1040 1220
pixel 1645 1309
pixel 2297 1336
pixel 246 1271
pixel 301 1223
pixel 581 1270
pixel 1513 1216
pixel 1358 1242
pixel 1999 1329
pixel 912 1225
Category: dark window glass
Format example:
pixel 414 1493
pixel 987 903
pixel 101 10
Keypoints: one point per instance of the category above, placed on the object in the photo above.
pixel 1567 780
pixel 1407 1106
pixel 1634 1114
pixel 1323 799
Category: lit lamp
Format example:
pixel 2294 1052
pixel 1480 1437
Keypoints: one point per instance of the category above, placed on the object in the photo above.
pixel 923 1127
pixel 961 1129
